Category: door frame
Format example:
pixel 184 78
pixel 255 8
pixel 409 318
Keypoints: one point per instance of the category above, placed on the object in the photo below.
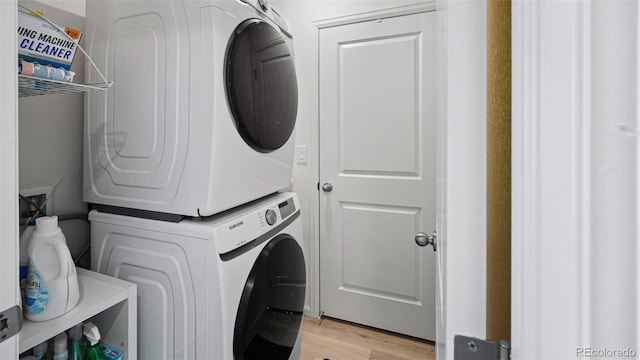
pixel 461 156
pixel 462 176
pixel 9 294
pixel 575 166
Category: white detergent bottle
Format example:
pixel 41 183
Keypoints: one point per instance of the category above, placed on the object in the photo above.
pixel 60 351
pixel 24 257
pixel 52 281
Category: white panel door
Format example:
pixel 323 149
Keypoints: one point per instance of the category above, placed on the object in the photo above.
pixel 377 150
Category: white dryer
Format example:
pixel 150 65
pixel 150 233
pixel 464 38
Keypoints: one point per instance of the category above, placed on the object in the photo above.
pixel 229 287
pixel 201 114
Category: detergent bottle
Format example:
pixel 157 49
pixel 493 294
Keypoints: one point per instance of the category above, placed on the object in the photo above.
pixel 24 257
pixel 60 351
pixel 52 281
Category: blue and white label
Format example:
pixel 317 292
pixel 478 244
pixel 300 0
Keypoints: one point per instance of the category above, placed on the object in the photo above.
pixel 23 277
pixel 36 294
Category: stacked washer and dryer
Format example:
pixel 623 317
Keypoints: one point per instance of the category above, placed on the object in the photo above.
pixel 185 161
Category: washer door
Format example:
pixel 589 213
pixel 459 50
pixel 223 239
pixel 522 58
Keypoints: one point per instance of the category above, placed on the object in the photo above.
pixel 261 85
pixel 270 311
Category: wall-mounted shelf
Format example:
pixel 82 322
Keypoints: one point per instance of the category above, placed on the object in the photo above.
pixel 33 86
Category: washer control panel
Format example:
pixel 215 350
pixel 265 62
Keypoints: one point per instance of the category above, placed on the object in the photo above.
pixel 277 212
pixel 271 216
pixel 254 222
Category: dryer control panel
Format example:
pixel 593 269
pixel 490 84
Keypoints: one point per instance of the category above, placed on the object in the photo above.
pixel 259 220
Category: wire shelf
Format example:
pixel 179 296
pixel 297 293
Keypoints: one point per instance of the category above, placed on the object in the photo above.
pixel 33 86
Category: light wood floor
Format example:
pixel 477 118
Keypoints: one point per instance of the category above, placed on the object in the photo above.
pixel 332 339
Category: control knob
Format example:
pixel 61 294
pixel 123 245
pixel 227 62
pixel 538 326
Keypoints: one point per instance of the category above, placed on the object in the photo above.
pixel 271 216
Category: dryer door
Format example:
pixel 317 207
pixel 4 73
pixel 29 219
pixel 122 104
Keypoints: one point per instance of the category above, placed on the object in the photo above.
pixel 270 312
pixel 261 85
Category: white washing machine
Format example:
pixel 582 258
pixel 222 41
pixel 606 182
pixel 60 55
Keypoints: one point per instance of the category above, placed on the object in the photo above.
pixel 228 287
pixel 201 113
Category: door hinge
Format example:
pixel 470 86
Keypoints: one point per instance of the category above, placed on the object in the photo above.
pixel 470 348
pixel 10 322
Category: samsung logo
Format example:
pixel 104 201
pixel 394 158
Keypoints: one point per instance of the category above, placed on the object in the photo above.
pixel 231 227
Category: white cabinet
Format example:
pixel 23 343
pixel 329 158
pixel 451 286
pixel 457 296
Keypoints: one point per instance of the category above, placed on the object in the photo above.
pixel 108 302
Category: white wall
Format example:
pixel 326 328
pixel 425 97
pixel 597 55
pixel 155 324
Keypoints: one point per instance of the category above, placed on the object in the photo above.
pixel 50 140
pixel 76 7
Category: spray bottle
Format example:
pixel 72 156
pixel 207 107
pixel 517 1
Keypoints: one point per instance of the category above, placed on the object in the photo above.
pixel 75 334
pixel 93 351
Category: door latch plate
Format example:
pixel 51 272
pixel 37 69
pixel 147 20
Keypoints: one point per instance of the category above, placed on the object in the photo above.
pixel 470 348
pixel 10 322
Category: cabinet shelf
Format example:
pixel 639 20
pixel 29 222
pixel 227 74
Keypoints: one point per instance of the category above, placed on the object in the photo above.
pixel 33 86
pixel 98 293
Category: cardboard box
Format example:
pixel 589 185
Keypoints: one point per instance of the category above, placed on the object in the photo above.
pixel 111 353
pixel 39 41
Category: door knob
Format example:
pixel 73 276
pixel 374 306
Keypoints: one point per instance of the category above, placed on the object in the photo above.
pixel 423 239
pixel 326 187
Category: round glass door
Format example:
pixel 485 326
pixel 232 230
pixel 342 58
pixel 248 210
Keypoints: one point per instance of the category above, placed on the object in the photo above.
pixel 270 311
pixel 261 85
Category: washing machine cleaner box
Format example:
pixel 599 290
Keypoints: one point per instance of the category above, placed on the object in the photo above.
pixel 41 42
pixel 52 280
